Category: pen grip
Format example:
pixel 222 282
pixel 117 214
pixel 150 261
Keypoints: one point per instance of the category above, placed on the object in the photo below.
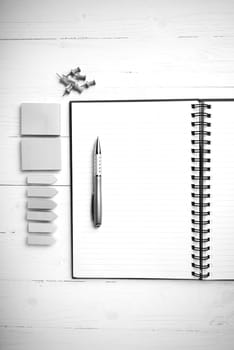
pixel 97 201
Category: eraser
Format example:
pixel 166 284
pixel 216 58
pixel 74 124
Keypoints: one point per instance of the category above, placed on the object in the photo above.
pixel 34 239
pixel 41 179
pixel 41 153
pixel 41 203
pixel 33 215
pixel 44 191
pixel 40 119
pixel 41 227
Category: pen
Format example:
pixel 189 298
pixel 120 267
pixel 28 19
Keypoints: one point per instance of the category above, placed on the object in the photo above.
pixel 97 185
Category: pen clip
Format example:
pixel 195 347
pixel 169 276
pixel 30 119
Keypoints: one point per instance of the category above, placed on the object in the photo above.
pixel 92 206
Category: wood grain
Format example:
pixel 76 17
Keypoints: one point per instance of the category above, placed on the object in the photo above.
pixel 133 49
pixel 132 315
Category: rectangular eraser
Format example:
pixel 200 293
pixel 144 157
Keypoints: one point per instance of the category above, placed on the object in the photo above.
pixel 41 227
pixel 40 119
pixel 41 203
pixel 43 191
pixel 41 179
pixel 40 239
pixel 33 215
pixel 41 153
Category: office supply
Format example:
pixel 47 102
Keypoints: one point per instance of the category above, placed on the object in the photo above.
pixel 41 203
pixel 43 191
pixel 41 153
pixel 168 189
pixel 41 179
pixel 97 185
pixel 40 239
pixel 68 89
pixel 87 84
pixel 79 76
pixel 63 79
pixel 77 87
pixel 71 79
pixel 41 227
pixel 33 215
pixel 74 71
pixel 40 119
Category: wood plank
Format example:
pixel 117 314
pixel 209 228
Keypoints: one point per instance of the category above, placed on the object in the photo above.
pixel 119 304
pixel 108 19
pixel 131 314
pixel 23 338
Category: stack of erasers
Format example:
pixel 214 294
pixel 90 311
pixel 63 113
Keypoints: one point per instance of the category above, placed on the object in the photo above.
pixel 40 152
pixel 40 215
pixel 72 81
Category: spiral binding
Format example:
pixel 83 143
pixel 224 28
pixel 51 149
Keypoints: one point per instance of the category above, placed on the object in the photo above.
pixel 200 190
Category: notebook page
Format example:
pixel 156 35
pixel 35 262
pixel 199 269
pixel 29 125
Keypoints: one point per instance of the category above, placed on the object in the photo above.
pixel 146 184
pixel 222 191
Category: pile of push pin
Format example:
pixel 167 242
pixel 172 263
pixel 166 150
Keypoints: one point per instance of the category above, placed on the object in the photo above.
pixel 72 81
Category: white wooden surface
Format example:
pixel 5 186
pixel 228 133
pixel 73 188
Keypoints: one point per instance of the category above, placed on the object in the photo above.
pixel 134 49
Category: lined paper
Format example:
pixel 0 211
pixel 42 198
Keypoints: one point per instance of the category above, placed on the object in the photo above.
pixel 146 166
pixel 222 191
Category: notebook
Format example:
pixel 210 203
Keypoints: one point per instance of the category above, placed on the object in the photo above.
pixel 167 189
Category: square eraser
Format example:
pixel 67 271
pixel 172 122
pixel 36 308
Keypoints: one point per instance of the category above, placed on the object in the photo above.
pixel 41 153
pixel 40 119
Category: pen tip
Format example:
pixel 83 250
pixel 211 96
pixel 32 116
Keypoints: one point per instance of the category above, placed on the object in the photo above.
pixel 98 146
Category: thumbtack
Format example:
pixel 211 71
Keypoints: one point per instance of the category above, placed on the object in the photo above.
pixel 79 76
pixel 63 79
pixel 87 84
pixel 70 84
pixel 77 87
pixel 74 71
pixel 71 81
pixel 68 89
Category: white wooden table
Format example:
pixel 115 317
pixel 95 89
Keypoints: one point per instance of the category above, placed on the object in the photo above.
pixel 134 49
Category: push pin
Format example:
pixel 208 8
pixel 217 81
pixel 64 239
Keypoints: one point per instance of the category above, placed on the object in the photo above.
pixel 77 87
pixel 68 89
pixel 74 71
pixel 87 84
pixel 63 79
pixel 79 76
pixel 71 79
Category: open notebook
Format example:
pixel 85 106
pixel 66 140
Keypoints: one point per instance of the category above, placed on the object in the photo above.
pixel 167 188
